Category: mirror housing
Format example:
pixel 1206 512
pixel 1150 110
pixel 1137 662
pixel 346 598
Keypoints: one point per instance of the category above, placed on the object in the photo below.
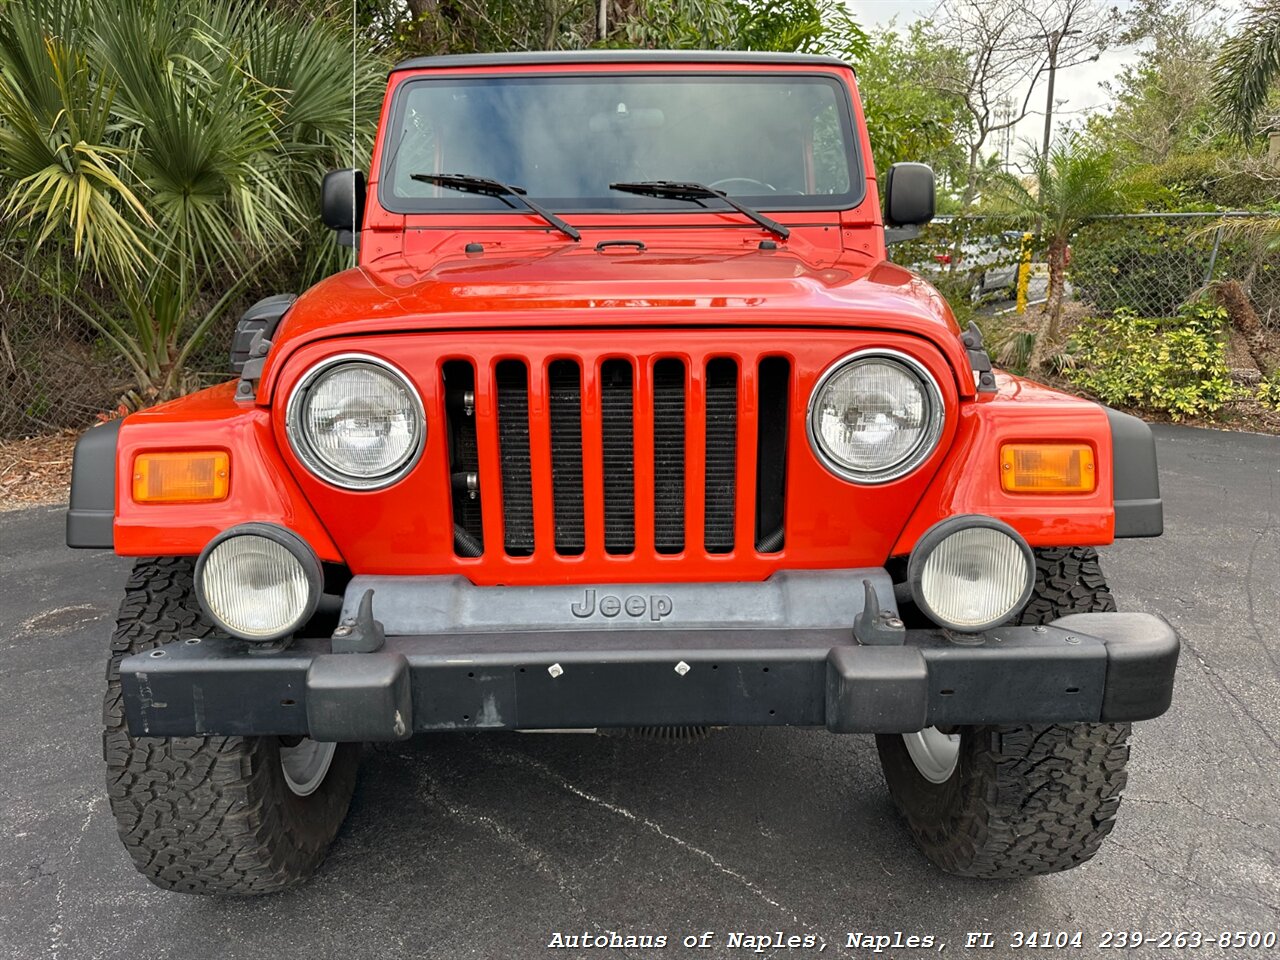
pixel 342 203
pixel 909 195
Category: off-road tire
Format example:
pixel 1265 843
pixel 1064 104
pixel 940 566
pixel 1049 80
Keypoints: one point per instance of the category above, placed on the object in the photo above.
pixel 210 815
pixel 1023 800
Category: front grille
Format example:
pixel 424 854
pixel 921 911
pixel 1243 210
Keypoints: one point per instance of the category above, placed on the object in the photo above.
pixel 647 440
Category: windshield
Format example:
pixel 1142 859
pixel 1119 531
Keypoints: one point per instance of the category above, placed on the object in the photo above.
pixel 777 141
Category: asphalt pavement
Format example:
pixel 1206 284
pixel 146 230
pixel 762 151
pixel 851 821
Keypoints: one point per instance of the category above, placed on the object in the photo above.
pixel 489 845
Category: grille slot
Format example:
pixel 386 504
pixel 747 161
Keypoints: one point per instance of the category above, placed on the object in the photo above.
pixel 668 455
pixel 459 381
pixel 512 380
pixel 618 434
pixel 565 404
pixel 774 381
pixel 721 454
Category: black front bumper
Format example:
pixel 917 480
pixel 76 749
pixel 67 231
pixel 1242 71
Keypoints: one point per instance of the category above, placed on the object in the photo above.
pixel 1082 668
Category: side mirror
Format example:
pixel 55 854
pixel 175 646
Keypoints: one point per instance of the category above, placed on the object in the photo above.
pixel 342 203
pixel 909 195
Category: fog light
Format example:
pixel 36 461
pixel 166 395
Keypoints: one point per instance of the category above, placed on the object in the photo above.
pixel 258 581
pixel 970 573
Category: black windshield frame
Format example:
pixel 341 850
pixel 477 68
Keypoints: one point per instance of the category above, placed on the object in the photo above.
pixel 448 207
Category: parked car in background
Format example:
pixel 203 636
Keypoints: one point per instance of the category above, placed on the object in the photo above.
pixel 989 262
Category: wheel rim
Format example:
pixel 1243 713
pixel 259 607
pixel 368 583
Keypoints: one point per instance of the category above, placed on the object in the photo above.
pixel 305 764
pixel 934 753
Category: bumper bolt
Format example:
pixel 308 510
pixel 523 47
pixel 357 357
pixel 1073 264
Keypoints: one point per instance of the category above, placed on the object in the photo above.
pixel 682 668
pixel 555 670
pixel 157 653
pixel 1038 629
pixel 1072 639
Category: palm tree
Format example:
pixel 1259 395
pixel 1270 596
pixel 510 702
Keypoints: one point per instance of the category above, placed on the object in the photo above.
pixel 172 151
pixel 1248 66
pixel 1074 184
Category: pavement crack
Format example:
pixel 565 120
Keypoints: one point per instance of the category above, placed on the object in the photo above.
pixel 1250 600
pixel 531 855
pixel 1220 685
pixel 1161 870
pixel 1181 800
pixel 656 828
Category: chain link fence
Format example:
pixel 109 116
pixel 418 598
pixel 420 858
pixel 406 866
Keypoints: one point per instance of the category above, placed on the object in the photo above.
pixel 57 373
pixel 1149 263
pixel 54 371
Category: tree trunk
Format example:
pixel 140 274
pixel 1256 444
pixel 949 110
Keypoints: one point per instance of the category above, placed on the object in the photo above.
pixel 1231 295
pixel 1054 40
pixel 1051 317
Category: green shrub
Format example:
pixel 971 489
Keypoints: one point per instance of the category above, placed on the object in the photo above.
pixel 1269 391
pixel 1175 366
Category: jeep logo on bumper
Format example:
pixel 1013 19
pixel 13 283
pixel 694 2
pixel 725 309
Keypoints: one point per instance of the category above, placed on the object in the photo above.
pixel 655 607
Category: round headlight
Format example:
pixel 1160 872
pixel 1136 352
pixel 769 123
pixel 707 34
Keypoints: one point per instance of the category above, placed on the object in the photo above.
pixel 356 421
pixel 875 416
pixel 258 582
pixel 971 573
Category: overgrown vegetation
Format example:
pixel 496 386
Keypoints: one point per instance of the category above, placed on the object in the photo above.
pixel 160 157
pixel 1269 392
pixel 1175 365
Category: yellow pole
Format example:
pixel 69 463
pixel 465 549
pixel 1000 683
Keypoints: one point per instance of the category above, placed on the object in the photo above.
pixel 1024 273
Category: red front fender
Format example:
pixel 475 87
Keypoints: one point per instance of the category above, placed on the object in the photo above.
pixel 261 488
pixel 969 479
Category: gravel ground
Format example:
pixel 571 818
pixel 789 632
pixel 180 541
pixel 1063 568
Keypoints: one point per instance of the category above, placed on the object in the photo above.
pixel 486 846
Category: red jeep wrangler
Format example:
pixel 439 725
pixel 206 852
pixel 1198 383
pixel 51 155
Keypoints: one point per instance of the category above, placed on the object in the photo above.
pixel 624 420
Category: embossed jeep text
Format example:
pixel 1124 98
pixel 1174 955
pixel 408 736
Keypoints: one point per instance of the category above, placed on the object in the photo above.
pixel 656 606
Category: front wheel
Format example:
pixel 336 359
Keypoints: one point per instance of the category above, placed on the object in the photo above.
pixel 1016 800
pixel 213 815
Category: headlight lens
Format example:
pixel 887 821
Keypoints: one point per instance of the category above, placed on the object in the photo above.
pixel 258 582
pixel 875 416
pixel 971 573
pixel 357 422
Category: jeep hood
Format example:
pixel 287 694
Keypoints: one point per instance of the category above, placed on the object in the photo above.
pixel 579 286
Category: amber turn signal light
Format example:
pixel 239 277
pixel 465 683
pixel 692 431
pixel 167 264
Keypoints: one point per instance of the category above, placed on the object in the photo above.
pixel 1047 468
pixel 185 476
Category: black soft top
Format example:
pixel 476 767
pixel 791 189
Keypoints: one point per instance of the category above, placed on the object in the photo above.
pixel 544 57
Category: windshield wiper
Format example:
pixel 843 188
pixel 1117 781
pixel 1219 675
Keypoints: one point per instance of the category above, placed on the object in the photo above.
pixel 495 188
pixel 686 190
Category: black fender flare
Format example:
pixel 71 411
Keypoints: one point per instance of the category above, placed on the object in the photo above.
pixel 92 509
pixel 1135 477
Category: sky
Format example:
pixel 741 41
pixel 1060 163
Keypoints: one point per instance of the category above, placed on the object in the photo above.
pixel 1081 86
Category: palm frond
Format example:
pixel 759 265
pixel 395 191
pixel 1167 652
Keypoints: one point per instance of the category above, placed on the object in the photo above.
pixel 56 148
pixel 175 147
pixel 1248 67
